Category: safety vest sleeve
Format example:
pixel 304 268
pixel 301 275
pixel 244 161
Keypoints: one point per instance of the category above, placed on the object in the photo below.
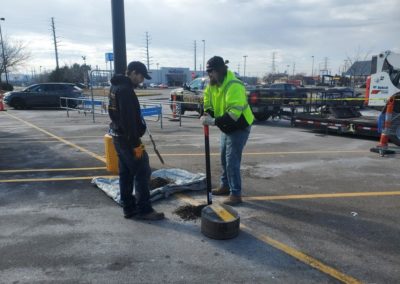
pixel 207 103
pixel 235 99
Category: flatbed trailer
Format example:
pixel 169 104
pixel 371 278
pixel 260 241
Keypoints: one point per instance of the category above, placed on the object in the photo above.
pixel 362 125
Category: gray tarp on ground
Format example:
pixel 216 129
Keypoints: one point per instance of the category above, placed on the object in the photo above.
pixel 181 181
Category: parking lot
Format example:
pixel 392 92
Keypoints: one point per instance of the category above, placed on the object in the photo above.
pixel 318 208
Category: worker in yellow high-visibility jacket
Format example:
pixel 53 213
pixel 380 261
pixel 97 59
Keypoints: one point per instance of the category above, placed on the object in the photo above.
pixel 225 105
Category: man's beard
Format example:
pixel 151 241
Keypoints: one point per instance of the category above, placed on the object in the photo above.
pixel 213 82
pixel 217 81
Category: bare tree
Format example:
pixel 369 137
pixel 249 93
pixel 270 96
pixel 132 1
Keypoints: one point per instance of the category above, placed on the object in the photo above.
pixel 15 55
pixel 357 64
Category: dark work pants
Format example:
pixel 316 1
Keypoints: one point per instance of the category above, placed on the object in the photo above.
pixel 133 173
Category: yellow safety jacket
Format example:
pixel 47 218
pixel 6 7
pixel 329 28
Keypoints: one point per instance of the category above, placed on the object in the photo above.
pixel 228 104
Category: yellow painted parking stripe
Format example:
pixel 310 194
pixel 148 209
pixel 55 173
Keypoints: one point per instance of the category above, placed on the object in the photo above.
pixel 302 257
pixel 51 170
pixel 313 262
pixel 323 195
pixel 30 142
pixel 274 153
pixel 49 179
pixel 222 212
pixel 102 159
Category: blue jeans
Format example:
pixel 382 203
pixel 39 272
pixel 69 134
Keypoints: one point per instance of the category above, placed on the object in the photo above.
pixel 133 173
pixel 232 145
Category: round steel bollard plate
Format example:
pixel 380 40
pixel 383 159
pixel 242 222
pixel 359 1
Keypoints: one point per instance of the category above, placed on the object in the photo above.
pixel 219 221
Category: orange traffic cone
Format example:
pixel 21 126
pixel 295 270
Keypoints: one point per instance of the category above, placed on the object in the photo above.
pixel 2 108
pixel 382 147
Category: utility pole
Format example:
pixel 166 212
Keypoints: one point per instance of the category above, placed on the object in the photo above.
pixel 55 41
pixel 147 50
pixel 239 68
pixel 195 64
pixel 294 67
pixel 119 40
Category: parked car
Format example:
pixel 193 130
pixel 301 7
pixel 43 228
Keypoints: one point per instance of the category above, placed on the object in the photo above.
pixel 191 95
pixel 43 95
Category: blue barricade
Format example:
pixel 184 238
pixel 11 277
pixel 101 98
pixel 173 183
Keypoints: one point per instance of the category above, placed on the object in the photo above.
pixel 151 111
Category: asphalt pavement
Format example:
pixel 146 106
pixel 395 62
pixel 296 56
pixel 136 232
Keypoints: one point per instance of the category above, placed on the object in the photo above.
pixel 318 208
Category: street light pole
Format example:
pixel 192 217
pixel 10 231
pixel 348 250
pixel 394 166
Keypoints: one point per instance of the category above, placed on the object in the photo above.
pixel 244 68
pixel 2 48
pixel 85 80
pixel 158 74
pixel 204 54
pixel 312 68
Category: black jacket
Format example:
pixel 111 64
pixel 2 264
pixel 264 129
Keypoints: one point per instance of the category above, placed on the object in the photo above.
pixel 124 111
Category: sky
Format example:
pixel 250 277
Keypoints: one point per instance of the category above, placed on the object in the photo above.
pixel 293 36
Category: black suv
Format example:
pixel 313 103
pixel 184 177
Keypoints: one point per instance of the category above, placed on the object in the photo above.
pixel 191 96
pixel 43 95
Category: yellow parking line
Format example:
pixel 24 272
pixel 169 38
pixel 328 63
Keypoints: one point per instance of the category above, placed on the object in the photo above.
pixel 51 170
pixel 49 179
pixel 274 153
pixel 323 195
pixel 304 258
pixel 313 262
pixel 30 142
pixel 60 139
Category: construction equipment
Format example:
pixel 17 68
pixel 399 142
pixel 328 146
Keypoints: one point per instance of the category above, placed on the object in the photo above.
pixel 384 81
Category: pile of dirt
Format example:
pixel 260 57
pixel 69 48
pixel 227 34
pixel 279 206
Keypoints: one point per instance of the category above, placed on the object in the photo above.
pixel 189 212
pixel 159 182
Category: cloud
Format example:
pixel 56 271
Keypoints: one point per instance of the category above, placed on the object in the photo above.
pixel 294 30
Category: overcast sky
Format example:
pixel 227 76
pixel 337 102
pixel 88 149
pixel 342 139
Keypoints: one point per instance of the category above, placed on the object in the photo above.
pixel 294 30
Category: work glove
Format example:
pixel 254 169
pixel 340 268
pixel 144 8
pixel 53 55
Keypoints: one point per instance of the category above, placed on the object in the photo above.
pixel 207 120
pixel 138 151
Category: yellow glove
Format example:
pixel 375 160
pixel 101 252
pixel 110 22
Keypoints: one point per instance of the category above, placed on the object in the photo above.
pixel 138 151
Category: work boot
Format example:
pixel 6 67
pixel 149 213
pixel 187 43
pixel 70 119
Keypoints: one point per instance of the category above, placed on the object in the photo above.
pixel 233 200
pixel 151 216
pixel 222 190
pixel 130 212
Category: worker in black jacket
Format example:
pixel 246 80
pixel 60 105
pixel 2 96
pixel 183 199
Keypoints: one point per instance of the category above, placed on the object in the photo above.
pixel 126 128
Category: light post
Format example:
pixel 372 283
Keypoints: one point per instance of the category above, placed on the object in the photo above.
pixel 158 74
pixel 312 68
pixel 84 70
pixel 244 68
pixel 2 48
pixel 204 54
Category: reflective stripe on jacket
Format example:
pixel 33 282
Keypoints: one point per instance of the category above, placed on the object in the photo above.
pixel 229 98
